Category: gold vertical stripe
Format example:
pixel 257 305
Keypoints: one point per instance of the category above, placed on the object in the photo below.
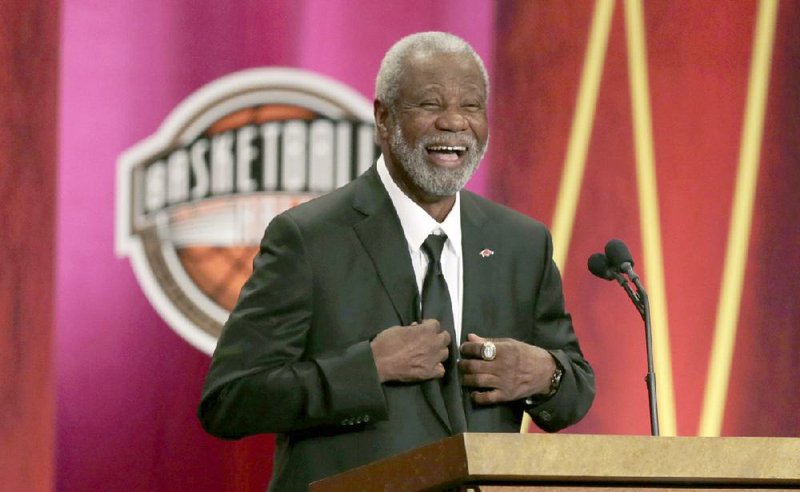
pixel 649 214
pixel 580 133
pixel 740 223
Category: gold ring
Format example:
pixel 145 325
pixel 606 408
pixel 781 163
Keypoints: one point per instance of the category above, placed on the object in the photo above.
pixel 488 351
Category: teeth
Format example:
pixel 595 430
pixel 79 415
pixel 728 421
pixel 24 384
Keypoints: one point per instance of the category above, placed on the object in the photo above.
pixel 447 148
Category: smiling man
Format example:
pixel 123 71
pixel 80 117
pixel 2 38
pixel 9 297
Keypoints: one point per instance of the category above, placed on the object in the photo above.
pixel 400 309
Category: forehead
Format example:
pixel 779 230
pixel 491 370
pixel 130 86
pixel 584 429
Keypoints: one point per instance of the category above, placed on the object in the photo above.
pixel 441 70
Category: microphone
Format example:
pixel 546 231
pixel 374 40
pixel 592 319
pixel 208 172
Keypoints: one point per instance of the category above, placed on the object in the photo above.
pixel 599 266
pixel 619 256
pixel 609 266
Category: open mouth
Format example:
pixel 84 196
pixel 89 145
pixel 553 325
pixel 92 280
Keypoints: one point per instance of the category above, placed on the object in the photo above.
pixel 446 153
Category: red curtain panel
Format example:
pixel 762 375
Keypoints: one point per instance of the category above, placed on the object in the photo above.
pixel 28 128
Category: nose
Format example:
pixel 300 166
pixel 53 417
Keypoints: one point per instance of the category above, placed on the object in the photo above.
pixel 452 120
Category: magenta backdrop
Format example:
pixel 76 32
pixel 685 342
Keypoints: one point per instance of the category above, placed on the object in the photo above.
pixel 127 386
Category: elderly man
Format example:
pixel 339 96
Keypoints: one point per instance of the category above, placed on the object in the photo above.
pixel 400 309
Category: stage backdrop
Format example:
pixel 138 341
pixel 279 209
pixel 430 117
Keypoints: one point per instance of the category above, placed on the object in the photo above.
pixel 128 386
pixel 670 125
pixel 28 110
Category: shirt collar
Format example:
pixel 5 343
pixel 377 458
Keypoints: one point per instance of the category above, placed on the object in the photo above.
pixel 416 222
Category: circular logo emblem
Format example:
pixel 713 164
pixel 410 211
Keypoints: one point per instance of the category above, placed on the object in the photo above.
pixel 193 199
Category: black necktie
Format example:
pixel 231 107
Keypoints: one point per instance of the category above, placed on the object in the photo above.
pixel 436 305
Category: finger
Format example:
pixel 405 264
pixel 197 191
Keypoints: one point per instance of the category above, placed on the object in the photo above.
pixel 438 371
pixel 487 397
pixel 472 337
pixel 471 350
pixel 487 381
pixel 430 324
pixel 445 335
pixel 443 354
pixel 475 366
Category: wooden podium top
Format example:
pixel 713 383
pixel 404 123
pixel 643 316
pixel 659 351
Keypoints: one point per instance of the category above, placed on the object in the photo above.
pixel 517 459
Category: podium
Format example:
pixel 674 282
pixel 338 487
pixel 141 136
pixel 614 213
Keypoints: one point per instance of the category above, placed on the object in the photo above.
pixel 581 463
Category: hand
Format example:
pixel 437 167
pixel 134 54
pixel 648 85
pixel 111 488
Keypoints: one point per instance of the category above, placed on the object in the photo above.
pixel 518 371
pixel 411 353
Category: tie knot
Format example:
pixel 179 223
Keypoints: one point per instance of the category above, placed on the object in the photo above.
pixel 433 246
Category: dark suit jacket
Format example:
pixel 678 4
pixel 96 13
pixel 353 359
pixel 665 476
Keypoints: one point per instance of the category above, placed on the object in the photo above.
pixel 294 357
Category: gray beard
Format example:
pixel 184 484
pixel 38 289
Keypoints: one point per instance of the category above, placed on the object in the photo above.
pixel 433 180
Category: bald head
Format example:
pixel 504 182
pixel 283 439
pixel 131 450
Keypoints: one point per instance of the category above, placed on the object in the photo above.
pixel 424 44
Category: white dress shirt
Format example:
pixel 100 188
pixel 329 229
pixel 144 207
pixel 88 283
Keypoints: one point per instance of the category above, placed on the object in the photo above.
pixel 417 225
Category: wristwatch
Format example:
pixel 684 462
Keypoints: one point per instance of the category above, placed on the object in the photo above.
pixel 555 383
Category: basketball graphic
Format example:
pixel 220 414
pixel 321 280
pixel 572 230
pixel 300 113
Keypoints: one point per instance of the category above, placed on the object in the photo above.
pixel 220 271
pixel 194 199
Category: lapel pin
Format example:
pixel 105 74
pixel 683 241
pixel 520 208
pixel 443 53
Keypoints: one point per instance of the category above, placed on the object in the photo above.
pixel 485 253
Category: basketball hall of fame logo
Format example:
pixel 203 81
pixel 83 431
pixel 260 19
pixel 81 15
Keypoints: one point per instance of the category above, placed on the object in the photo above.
pixel 193 199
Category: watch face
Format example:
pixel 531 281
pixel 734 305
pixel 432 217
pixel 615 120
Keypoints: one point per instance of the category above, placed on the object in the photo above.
pixel 555 382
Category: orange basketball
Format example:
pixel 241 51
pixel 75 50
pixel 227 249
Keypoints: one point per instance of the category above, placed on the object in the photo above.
pixel 221 271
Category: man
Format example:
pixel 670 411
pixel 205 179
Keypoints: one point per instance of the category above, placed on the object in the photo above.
pixel 332 345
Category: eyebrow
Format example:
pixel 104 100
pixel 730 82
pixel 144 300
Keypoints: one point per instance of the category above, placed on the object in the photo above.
pixel 434 88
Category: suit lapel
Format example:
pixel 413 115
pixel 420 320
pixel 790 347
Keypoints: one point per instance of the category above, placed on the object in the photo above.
pixel 478 267
pixel 478 272
pixel 382 236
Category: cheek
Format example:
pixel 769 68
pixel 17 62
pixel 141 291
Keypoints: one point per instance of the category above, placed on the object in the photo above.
pixel 413 130
pixel 480 126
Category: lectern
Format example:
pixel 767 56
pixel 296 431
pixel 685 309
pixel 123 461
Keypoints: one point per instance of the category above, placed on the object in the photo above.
pixel 581 463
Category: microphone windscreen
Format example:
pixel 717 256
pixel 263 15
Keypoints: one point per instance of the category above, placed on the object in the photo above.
pixel 618 253
pixel 598 265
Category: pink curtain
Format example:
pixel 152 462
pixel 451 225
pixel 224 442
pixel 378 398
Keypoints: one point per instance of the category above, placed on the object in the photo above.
pixel 127 385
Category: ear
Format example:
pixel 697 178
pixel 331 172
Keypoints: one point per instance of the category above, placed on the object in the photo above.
pixel 381 112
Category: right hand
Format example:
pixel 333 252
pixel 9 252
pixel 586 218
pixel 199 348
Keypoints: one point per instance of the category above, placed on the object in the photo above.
pixel 411 353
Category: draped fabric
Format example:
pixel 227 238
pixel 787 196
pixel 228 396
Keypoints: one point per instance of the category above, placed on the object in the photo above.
pixel 127 385
pixel 28 98
pixel 700 63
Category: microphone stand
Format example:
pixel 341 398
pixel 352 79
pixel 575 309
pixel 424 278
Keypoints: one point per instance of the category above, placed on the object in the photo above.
pixel 643 305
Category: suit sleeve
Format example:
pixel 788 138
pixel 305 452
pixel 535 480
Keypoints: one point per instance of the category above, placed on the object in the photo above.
pixel 554 332
pixel 261 379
